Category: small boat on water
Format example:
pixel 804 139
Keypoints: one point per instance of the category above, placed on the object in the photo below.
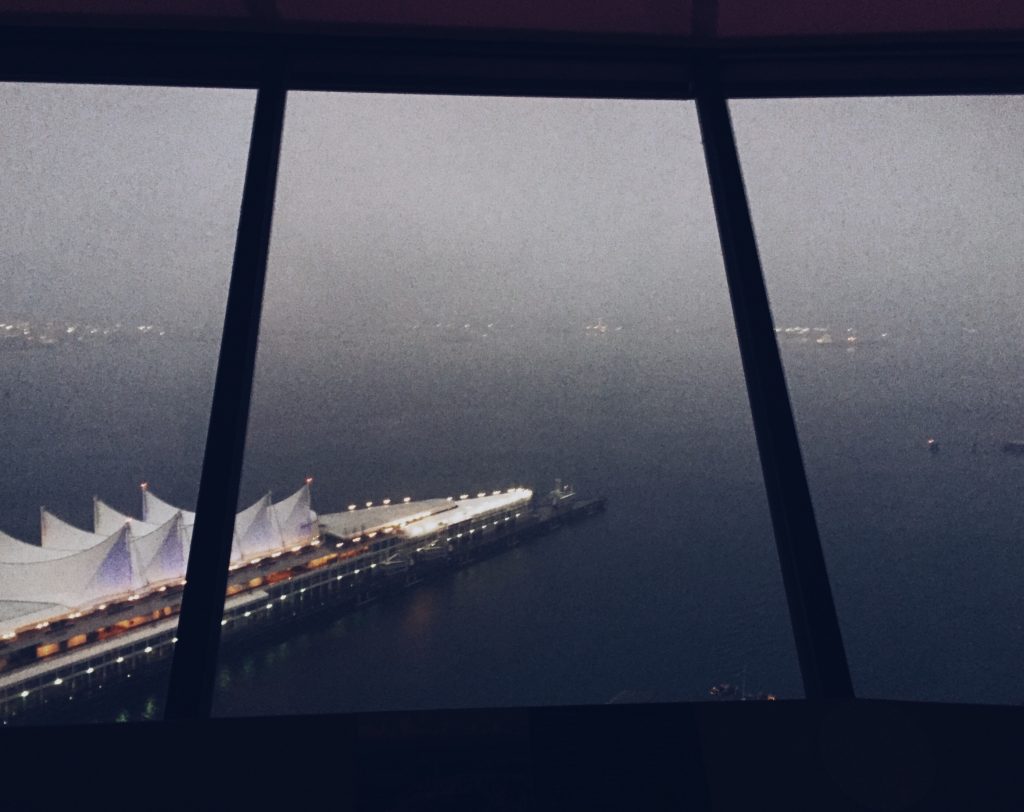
pixel 1014 446
pixel 933 445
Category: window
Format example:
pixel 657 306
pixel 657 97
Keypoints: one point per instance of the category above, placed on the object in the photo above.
pixel 120 210
pixel 889 233
pixel 477 295
pixel 470 295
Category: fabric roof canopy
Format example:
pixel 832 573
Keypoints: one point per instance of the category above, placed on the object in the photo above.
pixel 15 551
pixel 58 534
pixel 163 552
pixel 156 511
pixel 106 570
pixel 107 520
pixel 264 527
pixel 75 568
pixel 296 520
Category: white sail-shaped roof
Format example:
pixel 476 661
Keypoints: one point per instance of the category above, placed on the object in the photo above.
pixel 295 518
pixel 60 535
pixel 14 551
pixel 156 511
pixel 107 520
pixel 109 569
pixel 162 552
pixel 119 573
pixel 256 530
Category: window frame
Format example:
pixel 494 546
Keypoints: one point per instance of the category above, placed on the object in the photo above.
pixel 521 65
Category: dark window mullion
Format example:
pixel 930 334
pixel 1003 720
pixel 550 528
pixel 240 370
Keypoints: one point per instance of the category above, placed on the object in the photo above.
pixel 819 644
pixel 190 692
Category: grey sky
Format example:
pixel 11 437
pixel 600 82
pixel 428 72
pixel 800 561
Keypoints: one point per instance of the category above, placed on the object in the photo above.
pixel 423 208
pixel 888 210
pixel 122 202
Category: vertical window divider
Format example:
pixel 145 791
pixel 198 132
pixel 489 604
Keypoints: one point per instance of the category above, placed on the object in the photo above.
pixel 193 665
pixel 819 645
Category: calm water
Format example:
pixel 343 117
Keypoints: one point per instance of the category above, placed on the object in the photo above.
pixel 674 589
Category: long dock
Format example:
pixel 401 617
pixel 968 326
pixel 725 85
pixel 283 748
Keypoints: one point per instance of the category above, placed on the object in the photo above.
pixel 95 655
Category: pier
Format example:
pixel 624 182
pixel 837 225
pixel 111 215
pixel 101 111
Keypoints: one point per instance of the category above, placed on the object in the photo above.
pixel 346 563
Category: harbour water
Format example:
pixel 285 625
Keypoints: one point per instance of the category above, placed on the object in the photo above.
pixel 676 588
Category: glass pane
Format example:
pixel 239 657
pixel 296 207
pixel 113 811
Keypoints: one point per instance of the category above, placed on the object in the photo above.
pixel 890 235
pixel 468 296
pixel 119 212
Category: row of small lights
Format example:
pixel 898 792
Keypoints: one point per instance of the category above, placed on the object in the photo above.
pixel 473 530
pixel 316 542
pixel 302 590
pixel 403 523
pixel 174 640
pixel 224 622
pixel 384 502
pixel 407 499
pixel 91 669
pixel 149 649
